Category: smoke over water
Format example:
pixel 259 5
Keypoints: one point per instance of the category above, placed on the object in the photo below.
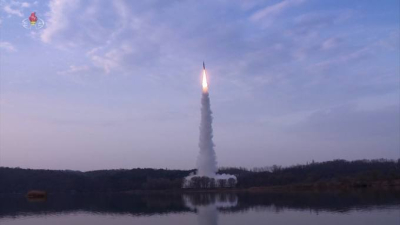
pixel 206 160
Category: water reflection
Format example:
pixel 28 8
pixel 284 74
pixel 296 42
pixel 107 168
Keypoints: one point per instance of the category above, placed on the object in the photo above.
pixel 221 200
pixel 207 215
pixel 206 205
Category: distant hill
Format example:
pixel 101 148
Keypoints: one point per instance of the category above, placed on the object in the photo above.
pixel 339 173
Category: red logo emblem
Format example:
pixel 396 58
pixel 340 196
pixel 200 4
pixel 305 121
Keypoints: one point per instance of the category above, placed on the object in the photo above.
pixel 33 18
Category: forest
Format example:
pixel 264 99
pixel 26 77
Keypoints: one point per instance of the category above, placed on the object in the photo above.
pixel 335 173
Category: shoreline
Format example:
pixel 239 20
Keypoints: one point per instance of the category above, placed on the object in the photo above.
pixel 252 190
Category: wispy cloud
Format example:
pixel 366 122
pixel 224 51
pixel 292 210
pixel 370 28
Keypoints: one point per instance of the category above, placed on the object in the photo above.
pixel 274 10
pixel 331 43
pixel 7 46
pixel 57 19
pixel 74 69
pixel 25 4
pixel 15 8
pixel 12 11
pixel 344 59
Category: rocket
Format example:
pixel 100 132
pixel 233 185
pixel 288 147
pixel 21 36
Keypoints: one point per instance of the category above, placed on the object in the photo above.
pixel 205 85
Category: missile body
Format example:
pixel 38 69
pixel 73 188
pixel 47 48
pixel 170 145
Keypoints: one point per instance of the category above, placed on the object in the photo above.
pixel 204 66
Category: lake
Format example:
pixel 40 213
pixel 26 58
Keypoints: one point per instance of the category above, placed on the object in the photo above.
pixel 356 207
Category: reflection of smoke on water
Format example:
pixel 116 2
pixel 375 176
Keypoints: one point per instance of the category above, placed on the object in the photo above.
pixel 207 215
pixel 207 205
pixel 225 200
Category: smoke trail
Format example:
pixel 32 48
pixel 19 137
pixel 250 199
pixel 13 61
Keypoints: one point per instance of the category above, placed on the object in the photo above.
pixel 207 176
pixel 206 161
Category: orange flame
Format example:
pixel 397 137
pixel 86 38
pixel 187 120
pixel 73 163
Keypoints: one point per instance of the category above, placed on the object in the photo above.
pixel 205 85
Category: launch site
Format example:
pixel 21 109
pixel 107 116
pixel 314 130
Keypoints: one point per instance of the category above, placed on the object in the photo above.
pixel 207 112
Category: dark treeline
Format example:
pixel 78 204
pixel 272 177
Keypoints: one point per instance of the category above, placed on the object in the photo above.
pixel 358 173
pixel 16 180
pixel 340 173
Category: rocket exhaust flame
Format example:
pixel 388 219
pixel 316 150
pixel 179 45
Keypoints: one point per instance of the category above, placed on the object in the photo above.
pixel 205 84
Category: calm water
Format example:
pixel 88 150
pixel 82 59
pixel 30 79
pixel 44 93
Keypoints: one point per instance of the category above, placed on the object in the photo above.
pixel 381 208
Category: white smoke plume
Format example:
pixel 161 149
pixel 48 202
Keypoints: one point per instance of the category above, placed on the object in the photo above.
pixel 206 161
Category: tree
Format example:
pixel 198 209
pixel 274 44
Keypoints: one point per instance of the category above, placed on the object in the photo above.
pixel 231 182
pixel 221 183
pixel 212 183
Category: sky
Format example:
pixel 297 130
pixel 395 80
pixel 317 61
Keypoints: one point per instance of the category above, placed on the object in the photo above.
pixel 117 84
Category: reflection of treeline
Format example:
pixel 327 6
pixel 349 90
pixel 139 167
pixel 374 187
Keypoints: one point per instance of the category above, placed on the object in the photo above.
pixel 133 204
pixel 150 204
pixel 333 201
pixel 339 173
pixel 204 199
pixel 201 182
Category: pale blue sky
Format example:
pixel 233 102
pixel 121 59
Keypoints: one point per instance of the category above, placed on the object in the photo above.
pixel 116 84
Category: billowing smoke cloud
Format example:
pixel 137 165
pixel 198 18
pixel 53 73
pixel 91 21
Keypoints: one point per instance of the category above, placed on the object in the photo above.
pixel 206 161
